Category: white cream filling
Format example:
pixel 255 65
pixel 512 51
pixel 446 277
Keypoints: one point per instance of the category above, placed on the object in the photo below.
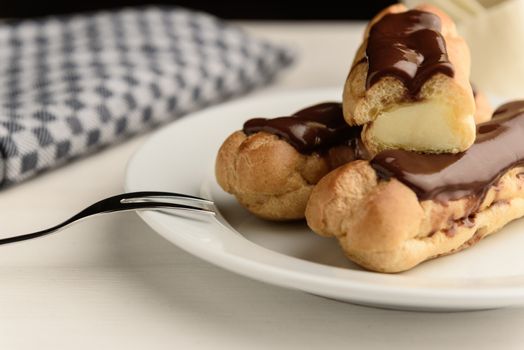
pixel 419 126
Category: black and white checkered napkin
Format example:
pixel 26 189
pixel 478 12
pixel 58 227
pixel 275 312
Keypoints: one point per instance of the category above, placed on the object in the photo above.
pixel 71 85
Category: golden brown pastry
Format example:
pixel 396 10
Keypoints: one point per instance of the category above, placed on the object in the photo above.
pixel 409 83
pixel 402 208
pixel 272 165
pixel 272 178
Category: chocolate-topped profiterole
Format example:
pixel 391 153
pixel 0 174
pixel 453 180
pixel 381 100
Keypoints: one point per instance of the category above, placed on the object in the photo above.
pixel 499 146
pixel 313 129
pixel 409 83
pixel 408 46
pixel 272 165
pixel 402 208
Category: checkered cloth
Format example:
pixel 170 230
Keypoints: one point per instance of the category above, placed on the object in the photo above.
pixel 71 85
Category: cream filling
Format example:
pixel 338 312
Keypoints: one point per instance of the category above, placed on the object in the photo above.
pixel 420 126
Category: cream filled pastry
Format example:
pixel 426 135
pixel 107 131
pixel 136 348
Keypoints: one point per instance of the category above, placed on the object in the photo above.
pixel 271 165
pixel 402 208
pixel 409 83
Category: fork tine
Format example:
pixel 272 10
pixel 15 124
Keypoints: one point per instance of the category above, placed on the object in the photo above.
pixel 115 204
pixel 151 205
pixel 144 195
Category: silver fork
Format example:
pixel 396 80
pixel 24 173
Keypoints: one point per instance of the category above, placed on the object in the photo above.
pixel 146 200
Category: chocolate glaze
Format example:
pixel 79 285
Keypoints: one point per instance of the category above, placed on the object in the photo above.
pixel 498 147
pixel 313 129
pixel 407 46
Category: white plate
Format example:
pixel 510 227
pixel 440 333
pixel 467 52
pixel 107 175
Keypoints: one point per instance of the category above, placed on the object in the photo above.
pixel 180 158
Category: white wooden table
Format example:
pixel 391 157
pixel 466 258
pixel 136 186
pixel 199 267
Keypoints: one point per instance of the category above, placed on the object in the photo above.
pixel 113 283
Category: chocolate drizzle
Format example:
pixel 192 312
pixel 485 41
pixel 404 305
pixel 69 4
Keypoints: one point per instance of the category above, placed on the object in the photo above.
pixel 313 129
pixel 407 46
pixel 499 146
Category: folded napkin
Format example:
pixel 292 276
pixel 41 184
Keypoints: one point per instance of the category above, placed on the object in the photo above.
pixel 70 85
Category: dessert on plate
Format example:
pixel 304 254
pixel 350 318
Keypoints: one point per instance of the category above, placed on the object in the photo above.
pixel 409 83
pixel 409 167
pixel 272 165
pixel 401 208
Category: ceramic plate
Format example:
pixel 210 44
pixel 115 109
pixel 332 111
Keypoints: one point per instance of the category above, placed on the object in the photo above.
pixel 180 158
